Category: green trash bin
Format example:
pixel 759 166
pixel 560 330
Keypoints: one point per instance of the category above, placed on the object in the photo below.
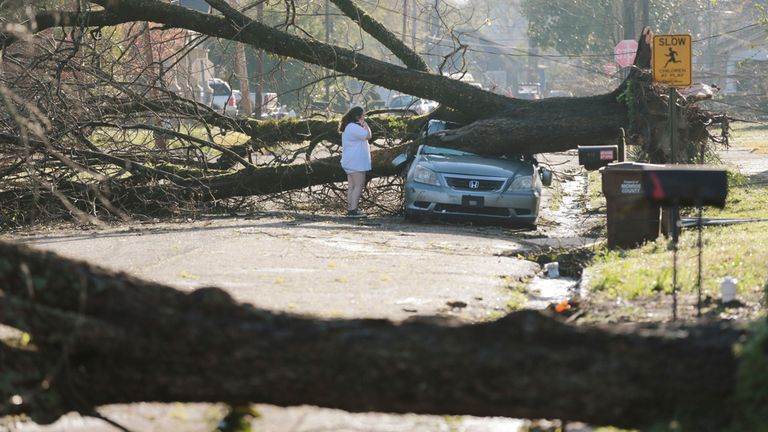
pixel 632 219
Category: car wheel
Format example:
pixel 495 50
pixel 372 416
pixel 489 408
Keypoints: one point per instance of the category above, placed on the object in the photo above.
pixel 412 216
pixel 527 226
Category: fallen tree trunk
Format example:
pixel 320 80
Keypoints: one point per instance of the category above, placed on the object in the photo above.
pixel 99 338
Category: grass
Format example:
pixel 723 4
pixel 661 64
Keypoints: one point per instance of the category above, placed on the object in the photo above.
pixel 556 197
pixel 728 251
pixel 108 136
pixel 736 250
pixel 595 197
pixel 745 200
pixel 754 137
pixel 517 291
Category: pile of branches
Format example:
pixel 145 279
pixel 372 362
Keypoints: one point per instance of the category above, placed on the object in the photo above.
pixel 84 137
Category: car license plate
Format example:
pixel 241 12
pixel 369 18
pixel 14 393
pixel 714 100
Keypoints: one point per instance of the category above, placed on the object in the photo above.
pixel 472 201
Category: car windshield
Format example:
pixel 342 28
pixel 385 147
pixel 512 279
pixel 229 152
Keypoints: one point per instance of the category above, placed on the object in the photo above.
pixel 402 101
pixel 430 150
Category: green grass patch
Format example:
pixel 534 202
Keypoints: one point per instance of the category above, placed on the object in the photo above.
pixel 736 250
pixel 744 200
pixel 728 251
pixel 751 136
pixel 109 137
pixel 556 196
pixel 595 197
pixel 752 379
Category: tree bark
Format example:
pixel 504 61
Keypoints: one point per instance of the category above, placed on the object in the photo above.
pixel 100 338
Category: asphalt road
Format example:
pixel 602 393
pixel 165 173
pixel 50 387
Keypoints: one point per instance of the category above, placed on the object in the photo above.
pixel 324 266
pixel 320 265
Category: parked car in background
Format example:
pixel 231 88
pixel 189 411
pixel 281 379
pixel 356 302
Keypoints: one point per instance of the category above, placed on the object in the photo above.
pixel 413 103
pixel 447 183
pixel 464 77
pixel 223 98
pixel 269 104
pixel 560 93
pixel 529 91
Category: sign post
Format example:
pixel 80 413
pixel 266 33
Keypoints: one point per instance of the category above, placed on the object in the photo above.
pixel 672 63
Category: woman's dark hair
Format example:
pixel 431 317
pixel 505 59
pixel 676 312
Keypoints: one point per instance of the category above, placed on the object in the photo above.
pixel 350 117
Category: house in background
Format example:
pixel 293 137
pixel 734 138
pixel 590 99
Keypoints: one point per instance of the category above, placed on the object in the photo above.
pixel 740 62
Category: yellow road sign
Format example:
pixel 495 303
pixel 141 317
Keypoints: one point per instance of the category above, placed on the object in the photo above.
pixel 672 60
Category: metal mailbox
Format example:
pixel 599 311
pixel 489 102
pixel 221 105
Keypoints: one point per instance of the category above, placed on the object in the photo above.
pixel 594 157
pixel 686 185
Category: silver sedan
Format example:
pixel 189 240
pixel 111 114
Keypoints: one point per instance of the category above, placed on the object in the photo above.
pixel 443 182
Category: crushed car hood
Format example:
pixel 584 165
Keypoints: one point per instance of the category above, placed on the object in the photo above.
pixel 476 165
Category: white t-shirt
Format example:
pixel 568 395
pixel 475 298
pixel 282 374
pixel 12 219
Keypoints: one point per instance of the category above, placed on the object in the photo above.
pixel 355 152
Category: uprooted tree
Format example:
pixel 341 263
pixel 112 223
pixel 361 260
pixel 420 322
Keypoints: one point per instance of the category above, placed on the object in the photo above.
pixel 72 114
pixel 89 105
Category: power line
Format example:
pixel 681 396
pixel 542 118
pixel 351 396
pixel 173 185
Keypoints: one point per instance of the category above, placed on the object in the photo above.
pixel 378 5
pixel 526 54
pixel 521 52
pixel 729 32
pixel 748 108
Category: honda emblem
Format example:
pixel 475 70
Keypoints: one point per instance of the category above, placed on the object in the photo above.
pixel 474 184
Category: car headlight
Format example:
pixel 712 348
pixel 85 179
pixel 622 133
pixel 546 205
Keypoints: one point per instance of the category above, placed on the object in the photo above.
pixel 522 183
pixel 425 175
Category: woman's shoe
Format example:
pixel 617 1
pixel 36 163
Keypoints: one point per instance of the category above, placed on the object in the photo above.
pixel 356 213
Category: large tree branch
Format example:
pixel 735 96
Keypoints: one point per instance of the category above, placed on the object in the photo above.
pixel 374 28
pixel 453 93
pixel 203 346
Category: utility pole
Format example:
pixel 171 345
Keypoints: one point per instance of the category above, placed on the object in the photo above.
pixel 432 44
pixel 258 108
pixel 327 39
pixel 152 77
pixel 646 13
pixel 242 72
pixel 629 19
pixel 710 58
pixel 533 62
pixel 413 26
pixel 405 19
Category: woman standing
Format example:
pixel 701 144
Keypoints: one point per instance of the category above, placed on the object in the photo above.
pixel 355 156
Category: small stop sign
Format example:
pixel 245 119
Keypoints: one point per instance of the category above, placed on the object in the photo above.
pixel 624 52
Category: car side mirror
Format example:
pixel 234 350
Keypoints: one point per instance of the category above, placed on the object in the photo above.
pixel 546 176
pixel 400 160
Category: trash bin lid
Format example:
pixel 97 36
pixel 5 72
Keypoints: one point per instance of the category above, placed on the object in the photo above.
pixel 629 166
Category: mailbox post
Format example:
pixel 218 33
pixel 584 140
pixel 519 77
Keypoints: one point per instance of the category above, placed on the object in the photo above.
pixel 681 185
